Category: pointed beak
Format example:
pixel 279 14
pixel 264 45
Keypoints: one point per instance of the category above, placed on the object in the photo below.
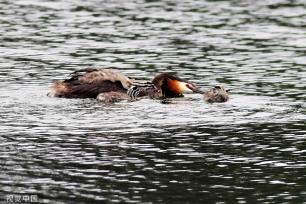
pixel 194 89
pixel 199 91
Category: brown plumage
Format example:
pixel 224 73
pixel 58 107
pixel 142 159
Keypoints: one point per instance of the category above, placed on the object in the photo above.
pixel 216 94
pixel 88 83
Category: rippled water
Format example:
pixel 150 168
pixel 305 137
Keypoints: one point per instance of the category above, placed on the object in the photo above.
pixel 248 150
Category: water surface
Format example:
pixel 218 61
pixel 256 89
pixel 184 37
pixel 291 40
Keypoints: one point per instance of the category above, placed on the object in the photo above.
pixel 248 150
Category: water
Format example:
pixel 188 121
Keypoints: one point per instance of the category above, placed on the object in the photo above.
pixel 248 150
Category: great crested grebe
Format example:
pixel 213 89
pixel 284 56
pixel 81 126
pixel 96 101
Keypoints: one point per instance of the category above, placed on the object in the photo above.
pixel 216 94
pixel 109 85
pixel 167 86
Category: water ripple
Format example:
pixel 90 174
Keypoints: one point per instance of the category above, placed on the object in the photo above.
pixel 250 149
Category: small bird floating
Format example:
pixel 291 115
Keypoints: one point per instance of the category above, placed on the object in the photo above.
pixel 216 94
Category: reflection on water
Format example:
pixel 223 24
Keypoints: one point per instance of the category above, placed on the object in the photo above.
pixel 250 149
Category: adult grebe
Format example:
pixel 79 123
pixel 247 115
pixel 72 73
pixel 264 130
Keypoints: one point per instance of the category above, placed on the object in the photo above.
pixel 109 85
pixel 216 94
pixel 167 86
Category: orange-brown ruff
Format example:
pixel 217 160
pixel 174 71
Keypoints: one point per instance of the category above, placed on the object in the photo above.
pixel 89 83
pixel 171 86
pixel 216 95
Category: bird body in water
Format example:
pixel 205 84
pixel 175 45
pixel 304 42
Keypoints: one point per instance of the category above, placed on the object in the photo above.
pixel 217 94
pixel 88 83
pixel 109 85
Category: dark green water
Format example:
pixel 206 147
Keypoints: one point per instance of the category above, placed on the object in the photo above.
pixel 251 149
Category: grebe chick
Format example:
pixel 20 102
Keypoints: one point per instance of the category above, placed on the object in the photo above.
pixel 143 89
pixel 216 94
